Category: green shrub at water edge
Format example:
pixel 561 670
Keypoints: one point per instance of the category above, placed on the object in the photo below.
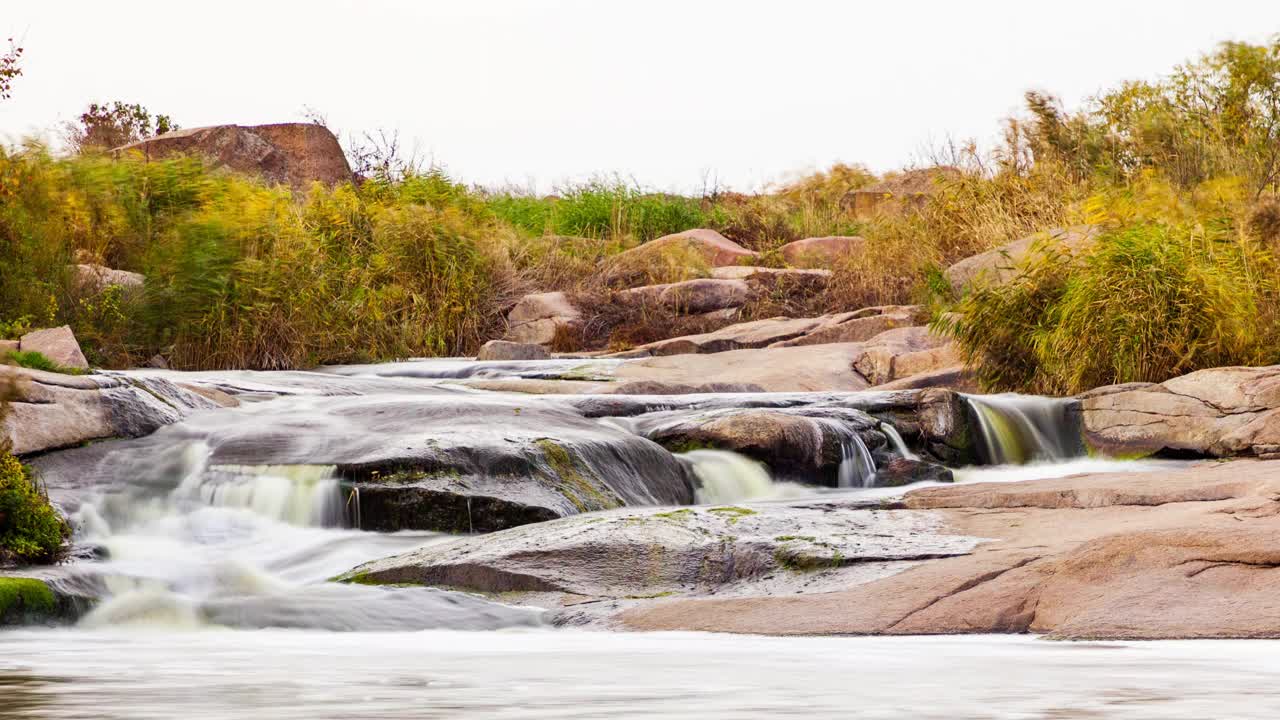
pixel 35 360
pixel 31 531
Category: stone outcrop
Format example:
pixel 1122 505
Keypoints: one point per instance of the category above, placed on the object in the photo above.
pixel 857 326
pixel 51 410
pixel 58 344
pixel 999 265
pixel 1220 412
pixel 296 154
pixel 537 318
pixel 1182 554
pixel 820 252
pixel 504 350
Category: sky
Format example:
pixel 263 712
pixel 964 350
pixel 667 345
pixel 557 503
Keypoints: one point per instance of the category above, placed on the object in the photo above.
pixel 671 94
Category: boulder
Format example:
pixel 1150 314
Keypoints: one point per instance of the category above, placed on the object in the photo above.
pixel 952 377
pixel 690 250
pixel 537 318
pixel 650 553
pixel 857 326
pixel 504 350
pixel 820 252
pixel 904 352
pixel 93 279
pixel 690 297
pixel 58 344
pixel 51 410
pixel 999 265
pixel 8 346
pixel 1219 412
pixel 296 154
pixel 816 277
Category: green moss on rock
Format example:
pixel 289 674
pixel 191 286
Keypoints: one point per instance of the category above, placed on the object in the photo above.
pixel 25 600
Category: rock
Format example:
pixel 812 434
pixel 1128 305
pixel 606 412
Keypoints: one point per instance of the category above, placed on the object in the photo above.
pixel 904 352
pixel 293 153
pixel 93 279
pixel 1180 554
pixel 1219 412
pixel 504 350
pixel 537 318
pixel 690 297
pixel 854 326
pixel 820 252
pixel 656 552
pixel 689 250
pixel 899 471
pixel 952 377
pixel 8 346
pixel 789 369
pixel 908 191
pixel 157 362
pixel 647 387
pixel 38 601
pixel 806 444
pixel 858 325
pixel 51 410
pixel 58 344
pixel 818 278
pixel 998 265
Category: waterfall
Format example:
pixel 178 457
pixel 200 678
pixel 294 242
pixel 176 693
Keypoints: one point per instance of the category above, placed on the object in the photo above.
pixel 1018 429
pixel 896 440
pixel 305 495
pixel 727 477
pixel 857 468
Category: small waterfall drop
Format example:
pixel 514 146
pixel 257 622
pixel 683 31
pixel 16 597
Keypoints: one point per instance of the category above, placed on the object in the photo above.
pixel 899 445
pixel 304 495
pixel 857 468
pixel 1018 429
pixel 727 477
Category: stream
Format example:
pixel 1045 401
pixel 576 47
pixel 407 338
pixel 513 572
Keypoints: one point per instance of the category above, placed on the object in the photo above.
pixel 212 562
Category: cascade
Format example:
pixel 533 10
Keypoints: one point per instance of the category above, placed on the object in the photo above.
pixel 1018 429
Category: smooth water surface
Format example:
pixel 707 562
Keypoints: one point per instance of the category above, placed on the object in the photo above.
pixel 574 674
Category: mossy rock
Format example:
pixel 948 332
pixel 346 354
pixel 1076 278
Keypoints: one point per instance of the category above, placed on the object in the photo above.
pixel 25 601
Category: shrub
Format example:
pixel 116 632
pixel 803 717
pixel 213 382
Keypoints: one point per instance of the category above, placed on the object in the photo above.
pixel 31 530
pixel 37 361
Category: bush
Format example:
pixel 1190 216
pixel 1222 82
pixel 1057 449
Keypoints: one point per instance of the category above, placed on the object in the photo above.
pixel 1151 302
pixel 31 531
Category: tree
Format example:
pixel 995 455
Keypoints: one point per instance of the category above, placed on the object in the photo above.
pixel 9 69
pixel 110 125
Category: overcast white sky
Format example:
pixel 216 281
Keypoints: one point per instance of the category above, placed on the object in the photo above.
pixel 667 92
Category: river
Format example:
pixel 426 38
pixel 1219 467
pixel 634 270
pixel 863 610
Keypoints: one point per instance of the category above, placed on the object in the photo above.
pixel 216 604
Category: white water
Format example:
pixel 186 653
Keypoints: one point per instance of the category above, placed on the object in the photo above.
pixel 1019 429
pixel 536 674
pixel 726 477
pixel 899 445
pixel 253 546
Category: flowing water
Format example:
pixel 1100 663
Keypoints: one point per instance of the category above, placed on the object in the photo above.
pixel 217 601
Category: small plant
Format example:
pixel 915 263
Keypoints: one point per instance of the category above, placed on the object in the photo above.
pixel 31 531
pixel 34 360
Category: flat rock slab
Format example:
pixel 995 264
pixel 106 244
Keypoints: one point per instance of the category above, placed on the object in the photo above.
pixel 1183 553
pixel 654 552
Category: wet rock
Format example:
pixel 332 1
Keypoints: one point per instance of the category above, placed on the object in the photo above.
pixel 58 344
pixel 504 350
pixel 998 265
pixel 37 601
pixel 820 252
pixel 293 153
pixel 52 410
pixel 647 553
pixel 1220 412
pixel 899 471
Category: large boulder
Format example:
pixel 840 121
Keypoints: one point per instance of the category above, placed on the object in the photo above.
pixel 58 344
pixel 50 410
pixel 1220 412
pixel 821 252
pixel 649 553
pixel 857 326
pixel 688 251
pixel 536 318
pixel 296 154
pixel 999 265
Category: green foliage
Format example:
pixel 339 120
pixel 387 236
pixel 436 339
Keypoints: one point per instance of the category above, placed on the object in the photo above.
pixel 25 597
pixel 30 529
pixel 600 209
pixel 110 125
pixel 1150 302
pixel 37 361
